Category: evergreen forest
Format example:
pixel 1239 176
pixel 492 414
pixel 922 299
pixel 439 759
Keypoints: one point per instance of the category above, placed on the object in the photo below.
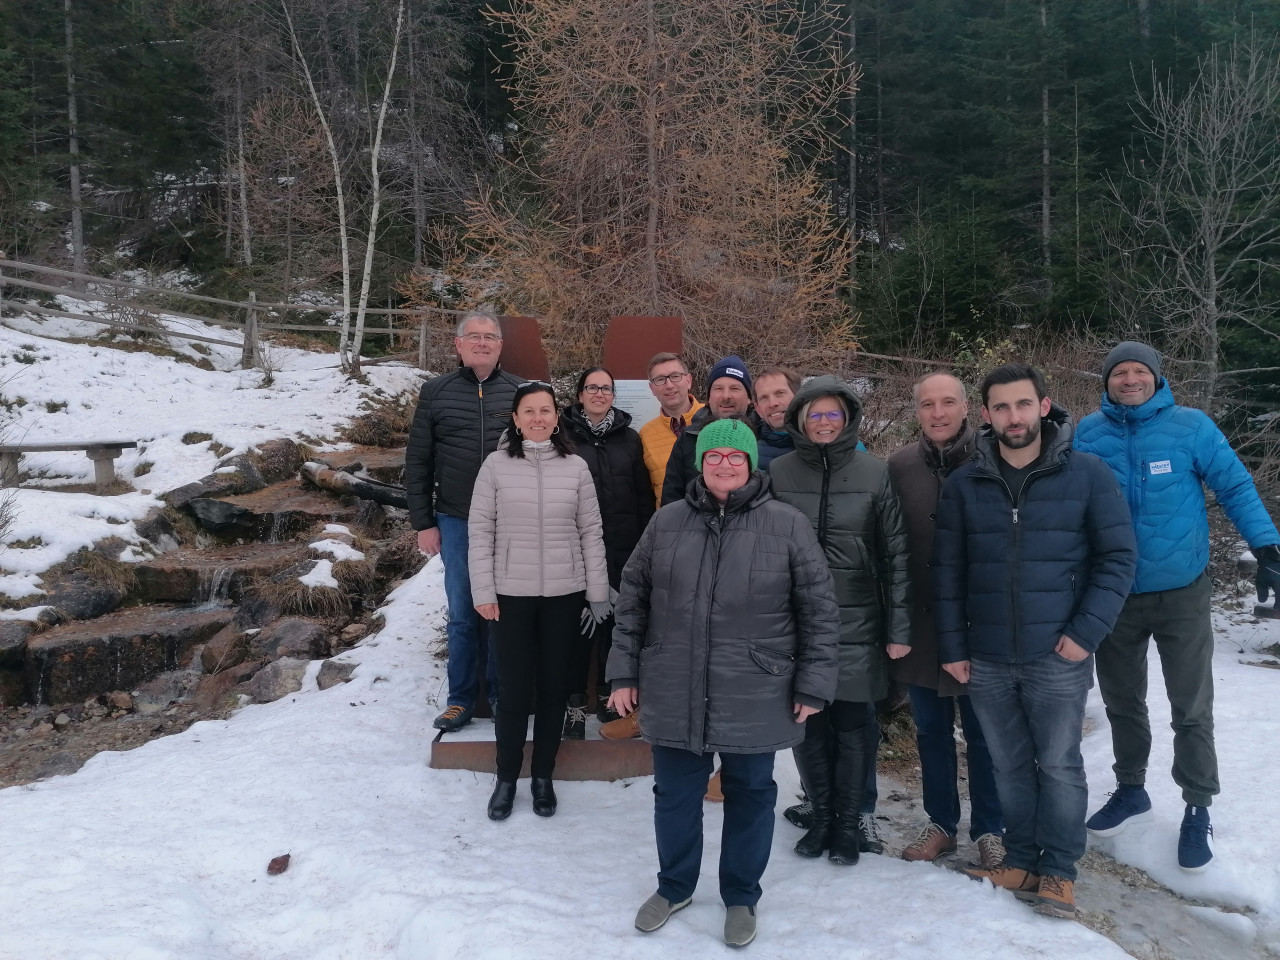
pixel 919 177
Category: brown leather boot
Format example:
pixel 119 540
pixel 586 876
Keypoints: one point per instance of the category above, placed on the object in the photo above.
pixel 624 728
pixel 1024 884
pixel 715 792
pixel 1057 898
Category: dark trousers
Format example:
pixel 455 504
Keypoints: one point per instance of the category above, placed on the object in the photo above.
pixel 1179 621
pixel 935 719
pixel 679 783
pixel 535 638
pixel 1033 716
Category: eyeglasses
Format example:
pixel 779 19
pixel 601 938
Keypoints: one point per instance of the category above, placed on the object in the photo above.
pixel 535 383
pixel 662 380
pixel 831 416
pixel 599 388
pixel 713 459
pixel 481 338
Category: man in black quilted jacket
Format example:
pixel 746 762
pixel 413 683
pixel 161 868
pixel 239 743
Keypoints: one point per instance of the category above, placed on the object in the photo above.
pixel 459 418
pixel 1033 558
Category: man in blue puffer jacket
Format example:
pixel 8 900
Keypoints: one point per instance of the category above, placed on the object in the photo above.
pixel 1033 556
pixel 1163 456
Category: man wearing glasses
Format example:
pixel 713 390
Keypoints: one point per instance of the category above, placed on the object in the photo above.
pixel 669 382
pixel 459 417
pixel 728 395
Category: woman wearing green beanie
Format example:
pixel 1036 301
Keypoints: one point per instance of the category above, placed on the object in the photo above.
pixel 726 630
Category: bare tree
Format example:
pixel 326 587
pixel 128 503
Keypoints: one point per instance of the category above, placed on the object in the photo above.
pixel 1201 208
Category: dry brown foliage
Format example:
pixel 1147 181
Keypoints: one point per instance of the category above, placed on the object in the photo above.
pixel 669 170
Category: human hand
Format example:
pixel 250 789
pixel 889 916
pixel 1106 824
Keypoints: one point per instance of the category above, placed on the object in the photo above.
pixel 802 712
pixel 1068 649
pixel 429 541
pixel 897 651
pixel 959 670
pixel 623 701
pixel 487 610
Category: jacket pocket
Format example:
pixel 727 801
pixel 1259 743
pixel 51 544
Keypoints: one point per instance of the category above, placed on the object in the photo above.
pixel 773 662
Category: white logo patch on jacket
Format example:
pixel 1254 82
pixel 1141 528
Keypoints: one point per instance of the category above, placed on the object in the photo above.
pixel 1160 466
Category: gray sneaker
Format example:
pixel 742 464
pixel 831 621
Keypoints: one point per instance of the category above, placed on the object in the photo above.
pixel 656 911
pixel 739 926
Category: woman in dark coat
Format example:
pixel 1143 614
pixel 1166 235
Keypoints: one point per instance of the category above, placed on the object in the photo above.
pixel 602 436
pixel 847 496
pixel 726 634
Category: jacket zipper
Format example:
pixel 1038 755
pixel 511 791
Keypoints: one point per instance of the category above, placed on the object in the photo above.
pixel 542 566
pixel 480 397
pixel 706 662
pixel 822 504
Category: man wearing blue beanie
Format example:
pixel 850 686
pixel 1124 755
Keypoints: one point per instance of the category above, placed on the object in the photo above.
pixel 1164 455
pixel 728 395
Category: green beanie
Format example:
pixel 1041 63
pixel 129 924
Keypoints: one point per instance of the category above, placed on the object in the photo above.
pixel 729 432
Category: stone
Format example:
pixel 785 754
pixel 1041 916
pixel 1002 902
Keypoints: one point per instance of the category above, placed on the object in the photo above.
pixel 288 637
pixel 179 497
pixel 283 509
pixel 353 632
pixel 235 474
pixel 120 700
pixel 13 689
pixel 277 680
pixel 77 596
pixel 370 518
pixel 60 764
pixel 42 728
pixel 159 692
pixel 62 720
pixel 157 529
pixel 225 649
pixel 278 459
pixel 212 690
pixel 13 641
pixel 334 672
pixel 215 575
pixel 223 518
pixel 119 651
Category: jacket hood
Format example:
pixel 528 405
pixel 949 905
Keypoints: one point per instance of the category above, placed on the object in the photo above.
pixel 1162 399
pixel 756 490
pixel 1056 431
pixel 842 448
pixel 577 419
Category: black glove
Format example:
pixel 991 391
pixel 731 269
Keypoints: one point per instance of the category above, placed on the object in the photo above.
pixel 1268 576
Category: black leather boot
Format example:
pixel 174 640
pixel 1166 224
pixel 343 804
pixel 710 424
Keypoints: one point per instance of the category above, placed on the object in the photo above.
pixel 504 795
pixel 813 760
pixel 544 796
pixel 849 775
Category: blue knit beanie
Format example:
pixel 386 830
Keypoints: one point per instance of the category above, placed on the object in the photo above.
pixel 734 367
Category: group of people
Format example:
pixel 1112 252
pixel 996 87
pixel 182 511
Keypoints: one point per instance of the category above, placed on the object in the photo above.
pixel 786 575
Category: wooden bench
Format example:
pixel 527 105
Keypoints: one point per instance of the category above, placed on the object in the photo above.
pixel 103 453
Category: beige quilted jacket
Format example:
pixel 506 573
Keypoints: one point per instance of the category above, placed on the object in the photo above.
pixel 534 528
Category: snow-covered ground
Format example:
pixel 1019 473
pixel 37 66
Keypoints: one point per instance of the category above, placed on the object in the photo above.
pixel 161 852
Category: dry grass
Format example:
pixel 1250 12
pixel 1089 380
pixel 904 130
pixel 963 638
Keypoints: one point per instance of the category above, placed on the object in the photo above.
pixel 384 422
pixel 141 346
pixel 400 558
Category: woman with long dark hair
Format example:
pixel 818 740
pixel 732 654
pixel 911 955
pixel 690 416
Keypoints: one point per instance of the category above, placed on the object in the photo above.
pixel 603 437
pixel 537 563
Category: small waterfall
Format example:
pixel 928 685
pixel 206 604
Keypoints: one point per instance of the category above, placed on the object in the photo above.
pixel 279 525
pixel 213 589
pixel 42 679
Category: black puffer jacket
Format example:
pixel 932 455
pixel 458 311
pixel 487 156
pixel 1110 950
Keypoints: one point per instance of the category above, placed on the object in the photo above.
pixel 1010 578
pixel 622 482
pixel 726 618
pixel 848 497
pixel 456 425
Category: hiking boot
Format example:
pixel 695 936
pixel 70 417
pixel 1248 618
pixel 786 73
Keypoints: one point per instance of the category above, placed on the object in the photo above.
pixel 931 843
pixel 715 790
pixel 656 911
pixel 454 717
pixel 1195 840
pixel 1128 805
pixel 624 728
pixel 544 796
pixel 1024 884
pixel 1056 898
pixel 739 926
pixel 869 839
pixel 575 718
pixel 504 795
pixel 801 814
pixel 990 851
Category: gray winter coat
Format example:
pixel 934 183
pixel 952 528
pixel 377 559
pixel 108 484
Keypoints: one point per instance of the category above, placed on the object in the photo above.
pixel 847 496
pixel 726 618
pixel 534 528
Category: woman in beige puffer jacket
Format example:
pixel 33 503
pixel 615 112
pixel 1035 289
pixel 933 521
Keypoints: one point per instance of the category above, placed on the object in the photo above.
pixel 536 557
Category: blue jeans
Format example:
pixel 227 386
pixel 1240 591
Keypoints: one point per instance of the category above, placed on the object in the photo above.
pixel 679 783
pixel 1033 716
pixel 466 627
pixel 935 719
